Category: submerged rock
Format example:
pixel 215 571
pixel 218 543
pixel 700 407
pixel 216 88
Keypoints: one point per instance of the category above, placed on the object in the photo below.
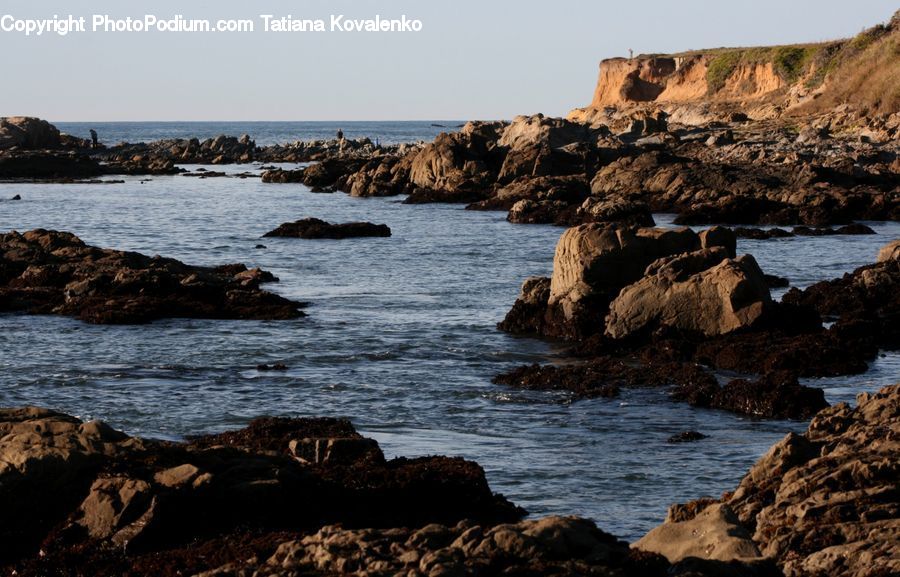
pixel 50 272
pixel 316 228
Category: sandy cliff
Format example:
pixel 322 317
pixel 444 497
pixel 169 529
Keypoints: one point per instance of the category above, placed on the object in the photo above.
pixel 765 82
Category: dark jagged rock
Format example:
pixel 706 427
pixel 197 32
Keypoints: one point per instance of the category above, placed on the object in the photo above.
pixel 456 196
pixel 687 437
pixel 315 228
pixel 82 496
pixel 865 302
pixel 774 396
pixel 47 165
pixel 49 272
pixel 821 503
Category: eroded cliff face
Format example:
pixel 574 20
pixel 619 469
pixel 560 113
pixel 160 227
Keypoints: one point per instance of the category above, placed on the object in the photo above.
pixel 679 79
pixel 762 82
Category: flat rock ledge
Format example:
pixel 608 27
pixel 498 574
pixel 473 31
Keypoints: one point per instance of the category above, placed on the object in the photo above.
pixel 52 272
pixel 315 228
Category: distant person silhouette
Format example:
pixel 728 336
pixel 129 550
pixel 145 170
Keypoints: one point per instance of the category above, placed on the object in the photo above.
pixel 630 54
pixel 340 134
pixel 94 141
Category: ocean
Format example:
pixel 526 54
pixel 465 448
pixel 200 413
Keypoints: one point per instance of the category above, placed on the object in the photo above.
pixel 400 335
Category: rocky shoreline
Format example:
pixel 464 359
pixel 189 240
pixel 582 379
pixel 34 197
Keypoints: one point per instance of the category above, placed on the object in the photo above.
pixel 286 497
pixel 634 305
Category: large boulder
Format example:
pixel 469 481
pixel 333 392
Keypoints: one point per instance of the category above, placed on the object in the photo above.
pixel 715 533
pixel 702 291
pixel 27 132
pixel 594 261
pixel 525 131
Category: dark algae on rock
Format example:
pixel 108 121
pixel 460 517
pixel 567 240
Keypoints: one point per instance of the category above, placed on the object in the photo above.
pixel 52 272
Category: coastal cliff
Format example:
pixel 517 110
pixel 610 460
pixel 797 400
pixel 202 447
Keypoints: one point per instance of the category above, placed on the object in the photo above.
pixel 762 82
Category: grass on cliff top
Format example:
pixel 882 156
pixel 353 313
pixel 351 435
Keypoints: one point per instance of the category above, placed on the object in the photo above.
pixel 863 72
pixel 790 62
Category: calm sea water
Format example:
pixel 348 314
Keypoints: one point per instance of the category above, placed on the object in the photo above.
pixel 264 133
pixel 400 338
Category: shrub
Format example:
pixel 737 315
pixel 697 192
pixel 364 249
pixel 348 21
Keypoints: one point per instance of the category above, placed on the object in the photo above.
pixel 720 68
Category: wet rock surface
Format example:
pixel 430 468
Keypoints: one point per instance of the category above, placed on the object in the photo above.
pixel 821 503
pixel 316 228
pixel 51 272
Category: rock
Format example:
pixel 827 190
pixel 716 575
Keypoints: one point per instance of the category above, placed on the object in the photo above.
pixel 719 236
pixel 721 138
pixel 27 133
pixel 687 437
pixel 526 131
pixel 50 272
pixel 776 395
pixel 619 210
pixel 16 197
pixel 528 314
pixel 593 262
pixel 691 293
pixel 566 192
pixel 82 496
pixel 272 367
pixel 562 546
pixel 464 161
pixel 889 252
pixel 281 176
pixel 47 165
pixel 760 234
pixel 865 303
pixel 382 176
pixel 315 228
pixel 715 533
pixel 825 502
pixel 775 281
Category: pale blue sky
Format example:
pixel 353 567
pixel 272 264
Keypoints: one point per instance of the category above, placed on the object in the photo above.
pixel 473 59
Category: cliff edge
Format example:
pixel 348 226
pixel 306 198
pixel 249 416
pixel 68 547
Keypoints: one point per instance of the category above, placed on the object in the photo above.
pixel 861 73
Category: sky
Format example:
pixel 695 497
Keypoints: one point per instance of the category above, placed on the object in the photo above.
pixel 473 59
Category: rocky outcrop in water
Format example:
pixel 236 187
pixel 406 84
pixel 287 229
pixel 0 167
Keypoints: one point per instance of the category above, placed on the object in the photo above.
pixel 639 318
pixel 821 503
pixel 50 272
pixel 592 263
pixel 316 228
